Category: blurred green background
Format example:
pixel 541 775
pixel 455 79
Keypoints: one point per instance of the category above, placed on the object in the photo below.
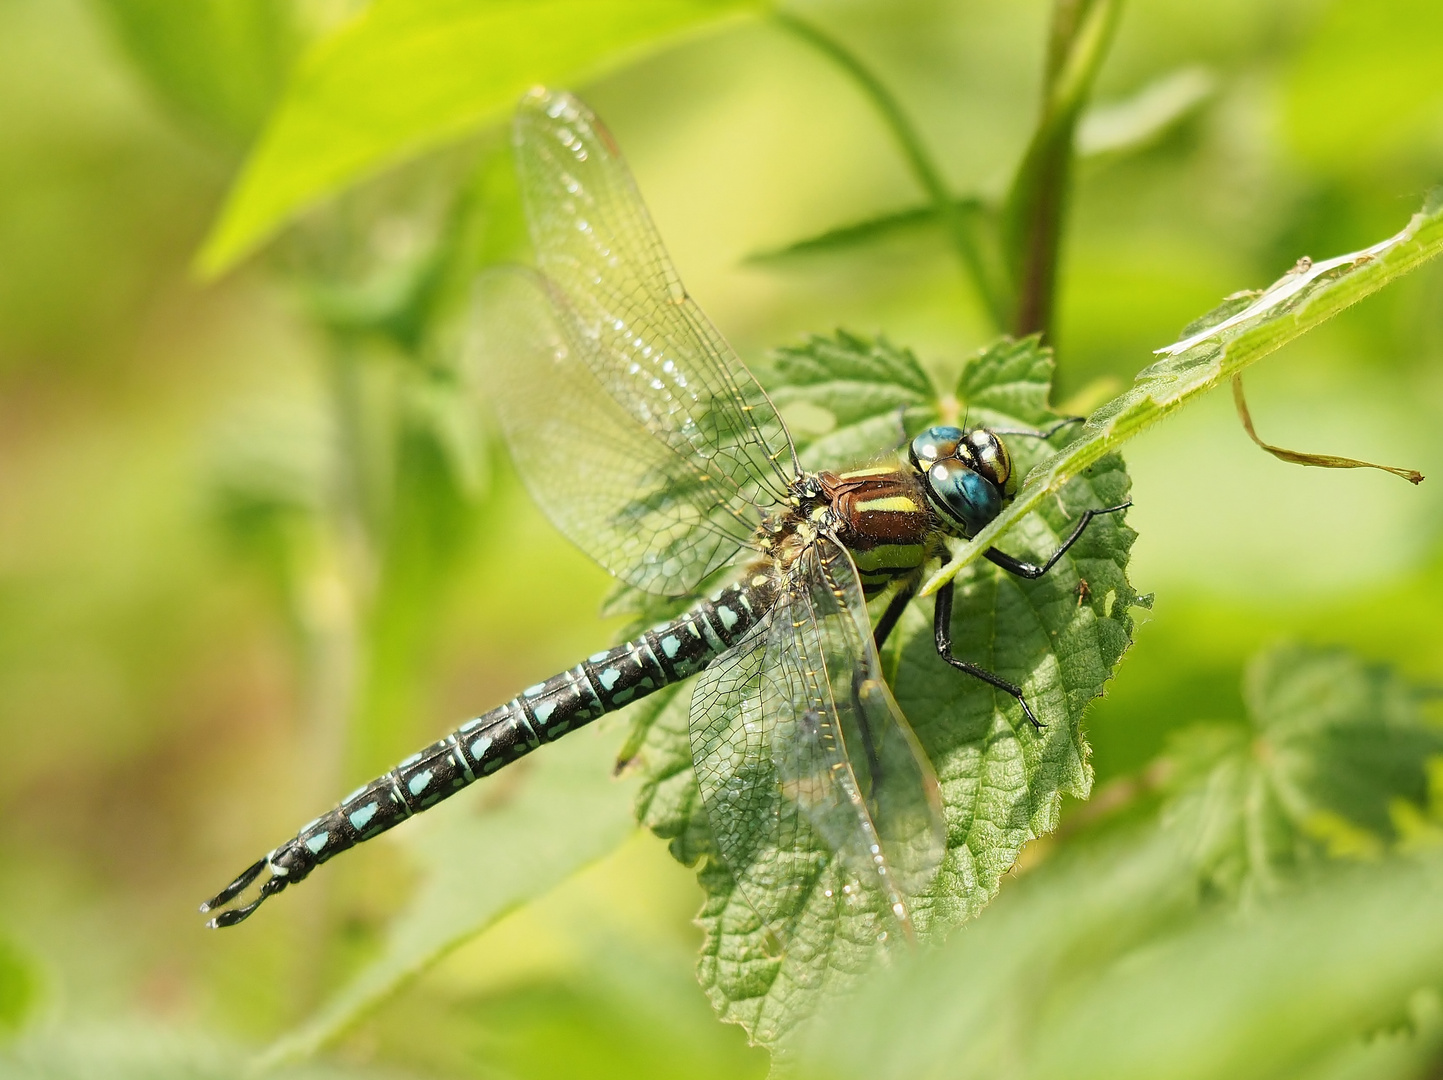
pixel 255 544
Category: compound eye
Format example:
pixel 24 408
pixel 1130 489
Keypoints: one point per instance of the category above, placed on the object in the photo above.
pixel 969 499
pixel 934 444
pixel 989 456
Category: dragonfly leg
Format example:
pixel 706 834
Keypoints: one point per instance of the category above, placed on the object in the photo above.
pixel 942 627
pixel 869 747
pixel 1032 570
pixel 1045 433
pixel 898 604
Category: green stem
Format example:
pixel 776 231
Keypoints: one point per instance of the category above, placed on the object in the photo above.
pixel 1036 205
pixel 909 141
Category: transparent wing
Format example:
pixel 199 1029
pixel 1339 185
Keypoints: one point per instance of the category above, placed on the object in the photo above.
pixel 799 746
pixel 624 314
pixel 765 840
pixel 657 518
pixel 844 753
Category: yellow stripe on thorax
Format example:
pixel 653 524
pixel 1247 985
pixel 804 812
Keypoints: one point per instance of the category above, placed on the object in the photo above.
pixel 896 504
pixel 856 473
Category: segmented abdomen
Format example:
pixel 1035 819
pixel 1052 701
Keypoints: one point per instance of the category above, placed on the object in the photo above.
pixel 540 714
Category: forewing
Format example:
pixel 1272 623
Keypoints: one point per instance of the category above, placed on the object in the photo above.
pixel 657 518
pixel 650 346
pixel 843 751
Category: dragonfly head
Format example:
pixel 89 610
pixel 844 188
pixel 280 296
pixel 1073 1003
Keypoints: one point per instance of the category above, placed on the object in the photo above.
pixel 965 474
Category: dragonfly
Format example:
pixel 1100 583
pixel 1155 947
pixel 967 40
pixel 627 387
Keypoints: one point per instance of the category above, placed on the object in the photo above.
pixel 649 444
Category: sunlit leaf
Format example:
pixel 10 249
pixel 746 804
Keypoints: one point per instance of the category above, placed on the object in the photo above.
pixel 1101 965
pixel 869 230
pixel 221 64
pixel 846 399
pixel 1002 782
pixel 1136 121
pixel 1331 747
pixel 1243 331
pixel 406 75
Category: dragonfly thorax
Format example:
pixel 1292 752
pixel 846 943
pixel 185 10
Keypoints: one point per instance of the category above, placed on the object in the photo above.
pixel 883 517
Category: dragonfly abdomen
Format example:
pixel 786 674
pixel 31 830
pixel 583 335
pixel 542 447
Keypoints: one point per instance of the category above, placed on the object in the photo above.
pixel 602 683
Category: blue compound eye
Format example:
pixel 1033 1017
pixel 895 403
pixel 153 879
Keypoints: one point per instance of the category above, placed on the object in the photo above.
pixel 934 444
pixel 963 495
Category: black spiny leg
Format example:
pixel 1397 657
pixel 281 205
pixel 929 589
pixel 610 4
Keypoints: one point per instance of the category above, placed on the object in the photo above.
pixel 942 627
pixel 1032 570
pixel 1045 433
pixel 898 604
pixel 885 625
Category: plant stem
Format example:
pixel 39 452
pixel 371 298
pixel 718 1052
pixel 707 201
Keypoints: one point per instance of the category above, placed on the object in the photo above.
pixel 923 167
pixel 1036 205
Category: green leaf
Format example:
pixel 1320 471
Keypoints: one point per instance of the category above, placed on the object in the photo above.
pixel 846 399
pixel 1199 362
pixel 1332 746
pixel 221 64
pixel 1002 782
pixel 960 227
pixel 846 237
pixel 1059 638
pixel 1054 981
pixel 480 866
pixel 1147 115
pixel 407 75
pixel 669 801
pixel 1101 965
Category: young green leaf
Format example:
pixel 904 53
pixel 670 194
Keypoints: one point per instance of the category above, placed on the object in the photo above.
pixel 404 76
pixel 848 399
pixel 1243 331
pixel 1331 747
pixel 481 866
pixel 1002 781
